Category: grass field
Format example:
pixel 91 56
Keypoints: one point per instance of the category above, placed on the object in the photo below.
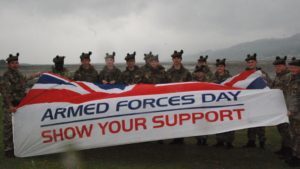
pixel 156 156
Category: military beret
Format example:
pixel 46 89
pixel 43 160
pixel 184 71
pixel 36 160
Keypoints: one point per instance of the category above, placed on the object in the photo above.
pixel 147 56
pixel 200 69
pixel 112 56
pixel 153 57
pixel 130 56
pixel 294 62
pixel 85 55
pixel 280 61
pixel 59 59
pixel 177 54
pixel 221 62
pixel 11 58
pixel 251 57
pixel 202 59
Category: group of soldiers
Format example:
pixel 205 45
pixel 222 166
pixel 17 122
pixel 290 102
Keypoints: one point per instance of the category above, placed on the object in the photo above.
pixel 152 72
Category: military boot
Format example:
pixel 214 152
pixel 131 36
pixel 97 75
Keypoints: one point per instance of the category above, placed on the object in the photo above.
pixel 262 144
pixel 293 162
pixel 250 144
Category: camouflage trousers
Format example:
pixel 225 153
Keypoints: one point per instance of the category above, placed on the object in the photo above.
pixel 7 130
pixel 259 131
pixel 295 130
pixel 285 133
pixel 226 137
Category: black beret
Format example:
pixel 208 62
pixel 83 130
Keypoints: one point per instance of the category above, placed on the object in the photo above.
pixel 130 56
pixel 58 59
pixel 280 61
pixel 110 56
pixel 12 58
pixel 85 55
pixel 221 62
pixel 177 54
pixel 294 62
pixel 202 59
pixel 251 57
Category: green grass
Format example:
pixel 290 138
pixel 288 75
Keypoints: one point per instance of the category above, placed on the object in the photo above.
pixel 155 156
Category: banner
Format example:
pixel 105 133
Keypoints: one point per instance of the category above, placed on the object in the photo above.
pixel 58 112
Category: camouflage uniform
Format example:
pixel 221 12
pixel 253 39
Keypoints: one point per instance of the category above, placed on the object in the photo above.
pixel 281 82
pixel 14 85
pixel 178 75
pixel 201 140
pixel 208 73
pixel 293 103
pixel 259 131
pixel 86 72
pixel 110 75
pixel 155 76
pixel 227 137
pixel 181 75
pixel 131 76
pixel 59 68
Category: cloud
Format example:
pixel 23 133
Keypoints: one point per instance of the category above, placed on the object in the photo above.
pixel 41 29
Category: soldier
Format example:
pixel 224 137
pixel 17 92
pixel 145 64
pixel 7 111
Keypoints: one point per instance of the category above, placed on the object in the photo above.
pixel 156 74
pixel 293 103
pixel 200 76
pixel 110 74
pixel 178 73
pixel 221 74
pixel 132 74
pixel 280 82
pixel 146 66
pixel 259 131
pixel 59 68
pixel 202 61
pixel 14 84
pixel 86 71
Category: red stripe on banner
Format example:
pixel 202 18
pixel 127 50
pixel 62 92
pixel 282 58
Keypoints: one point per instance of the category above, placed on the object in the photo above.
pixel 242 76
pixel 36 96
pixel 85 87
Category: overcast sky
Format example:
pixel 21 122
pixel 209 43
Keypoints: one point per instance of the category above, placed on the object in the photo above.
pixel 41 29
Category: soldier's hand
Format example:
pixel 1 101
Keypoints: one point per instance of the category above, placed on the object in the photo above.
pixel 12 109
pixel 112 82
pixel 104 82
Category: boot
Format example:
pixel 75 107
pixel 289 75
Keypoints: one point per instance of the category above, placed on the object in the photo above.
pixel 293 162
pixel 229 145
pixel 178 141
pixel 9 154
pixel 219 144
pixel 250 144
pixel 262 144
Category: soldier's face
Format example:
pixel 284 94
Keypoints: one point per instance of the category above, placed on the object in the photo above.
pixel 109 61
pixel 280 68
pixel 201 63
pixel 13 65
pixel 85 63
pixel 154 63
pixel 130 63
pixel 221 68
pixel 200 75
pixel 176 61
pixel 251 64
pixel 294 69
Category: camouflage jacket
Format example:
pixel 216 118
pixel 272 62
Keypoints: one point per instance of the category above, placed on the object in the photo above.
pixel 281 81
pixel 155 76
pixel 208 72
pixel 221 78
pixel 14 86
pixel 65 73
pixel 293 96
pixel 145 68
pixel 110 75
pixel 131 76
pixel 181 75
pixel 88 75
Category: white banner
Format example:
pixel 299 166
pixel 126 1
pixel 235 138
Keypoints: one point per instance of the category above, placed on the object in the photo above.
pixel 45 128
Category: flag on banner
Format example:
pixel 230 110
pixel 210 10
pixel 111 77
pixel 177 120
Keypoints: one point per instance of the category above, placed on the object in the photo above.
pixel 250 79
pixel 57 112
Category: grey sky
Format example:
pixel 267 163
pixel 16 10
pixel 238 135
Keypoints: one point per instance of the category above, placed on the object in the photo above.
pixel 40 30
